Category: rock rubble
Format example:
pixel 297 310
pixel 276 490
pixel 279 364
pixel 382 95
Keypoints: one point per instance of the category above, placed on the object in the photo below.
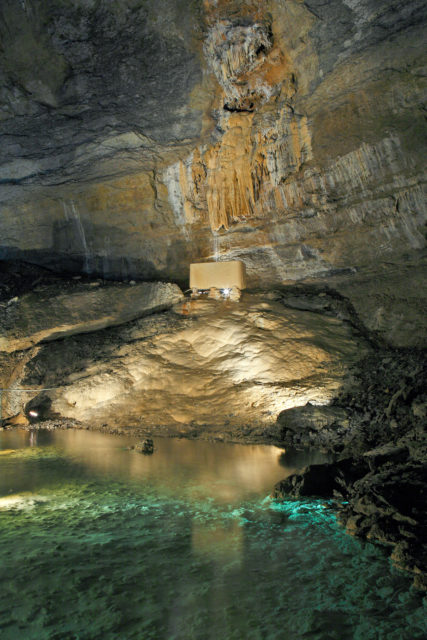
pixel 376 429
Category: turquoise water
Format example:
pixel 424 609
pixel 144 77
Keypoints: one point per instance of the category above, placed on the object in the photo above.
pixel 100 542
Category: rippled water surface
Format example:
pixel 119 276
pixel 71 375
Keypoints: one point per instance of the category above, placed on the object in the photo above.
pixel 97 541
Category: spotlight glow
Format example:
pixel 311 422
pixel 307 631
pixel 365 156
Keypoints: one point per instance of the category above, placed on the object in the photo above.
pixel 33 414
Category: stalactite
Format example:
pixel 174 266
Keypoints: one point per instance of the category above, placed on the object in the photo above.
pixel 231 180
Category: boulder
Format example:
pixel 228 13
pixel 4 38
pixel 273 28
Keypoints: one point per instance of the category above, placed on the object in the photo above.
pixel 325 426
pixel 312 417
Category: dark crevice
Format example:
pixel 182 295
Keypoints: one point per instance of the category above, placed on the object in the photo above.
pixel 248 109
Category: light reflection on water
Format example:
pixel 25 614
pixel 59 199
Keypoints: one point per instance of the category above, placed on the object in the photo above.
pixel 97 541
pixel 221 471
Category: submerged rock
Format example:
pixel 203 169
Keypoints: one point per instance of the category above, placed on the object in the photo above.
pixel 145 446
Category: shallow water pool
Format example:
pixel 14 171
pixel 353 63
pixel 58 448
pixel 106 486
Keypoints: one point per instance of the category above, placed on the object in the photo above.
pixel 97 541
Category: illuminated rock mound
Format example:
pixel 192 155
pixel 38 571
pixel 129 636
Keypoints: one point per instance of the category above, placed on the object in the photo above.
pixel 204 366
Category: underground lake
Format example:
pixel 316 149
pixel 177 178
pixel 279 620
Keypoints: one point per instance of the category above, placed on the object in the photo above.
pixel 100 541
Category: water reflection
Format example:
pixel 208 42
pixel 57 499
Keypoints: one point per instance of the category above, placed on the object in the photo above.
pixel 224 472
pixel 206 472
pixel 293 459
pixel 97 541
pixel 33 438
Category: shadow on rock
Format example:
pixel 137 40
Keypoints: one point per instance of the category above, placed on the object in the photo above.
pixel 376 431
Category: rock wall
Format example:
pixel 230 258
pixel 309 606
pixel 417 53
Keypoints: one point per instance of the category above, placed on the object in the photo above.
pixel 137 137
pixel 376 429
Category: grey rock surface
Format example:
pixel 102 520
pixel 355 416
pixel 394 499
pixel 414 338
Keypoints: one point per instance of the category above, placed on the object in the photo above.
pixel 87 83
pixel 49 314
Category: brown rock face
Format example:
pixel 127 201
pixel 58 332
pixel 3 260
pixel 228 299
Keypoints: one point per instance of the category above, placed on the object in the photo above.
pixel 138 137
pixel 205 366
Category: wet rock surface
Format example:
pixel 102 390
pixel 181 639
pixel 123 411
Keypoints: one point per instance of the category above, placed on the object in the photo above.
pixel 145 446
pixel 377 430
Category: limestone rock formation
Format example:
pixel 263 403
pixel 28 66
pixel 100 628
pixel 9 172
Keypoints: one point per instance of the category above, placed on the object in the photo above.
pixel 49 314
pixel 139 136
pixel 206 366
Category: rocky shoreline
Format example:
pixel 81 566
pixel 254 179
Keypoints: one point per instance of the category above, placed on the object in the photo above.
pixel 376 430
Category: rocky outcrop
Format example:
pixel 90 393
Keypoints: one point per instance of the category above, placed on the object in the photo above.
pixel 322 427
pixel 377 431
pixel 204 367
pixel 49 314
pixel 137 137
pixel 145 446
